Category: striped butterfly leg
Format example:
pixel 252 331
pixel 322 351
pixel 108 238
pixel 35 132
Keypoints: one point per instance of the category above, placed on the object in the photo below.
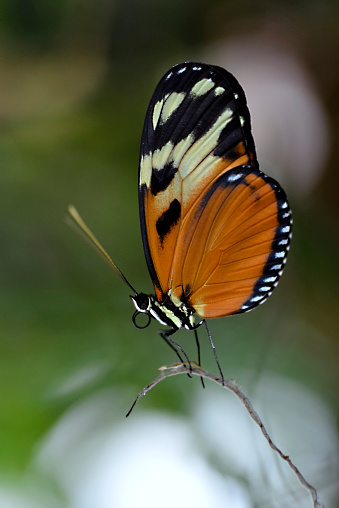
pixel 166 335
pixel 175 346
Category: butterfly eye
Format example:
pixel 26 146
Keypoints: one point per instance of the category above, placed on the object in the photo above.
pixel 141 302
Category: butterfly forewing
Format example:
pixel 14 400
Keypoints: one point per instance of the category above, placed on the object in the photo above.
pixel 211 221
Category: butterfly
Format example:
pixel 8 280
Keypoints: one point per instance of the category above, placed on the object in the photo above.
pixel 215 229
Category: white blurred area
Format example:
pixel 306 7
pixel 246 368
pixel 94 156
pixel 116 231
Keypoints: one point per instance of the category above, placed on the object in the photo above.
pixel 215 456
pixel 289 121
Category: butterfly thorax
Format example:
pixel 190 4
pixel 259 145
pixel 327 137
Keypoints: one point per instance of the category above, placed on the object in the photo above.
pixel 166 312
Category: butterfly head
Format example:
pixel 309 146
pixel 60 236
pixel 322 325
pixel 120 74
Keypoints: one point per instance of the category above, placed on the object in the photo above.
pixel 142 304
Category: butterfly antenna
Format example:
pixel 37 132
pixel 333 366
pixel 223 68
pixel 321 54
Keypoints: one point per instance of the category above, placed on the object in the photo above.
pixel 75 219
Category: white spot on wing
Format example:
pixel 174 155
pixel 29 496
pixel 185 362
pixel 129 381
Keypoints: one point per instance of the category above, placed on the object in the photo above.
pixel 234 177
pixel 269 279
pixel 201 87
pixel 145 170
pixel 242 120
pixel 256 298
pixel 180 71
pixel 219 90
pixel 172 102
pixel 157 160
pixel 160 157
pixel 156 113
pixel 181 148
pixel 285 229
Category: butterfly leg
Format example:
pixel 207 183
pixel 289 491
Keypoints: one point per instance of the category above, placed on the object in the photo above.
pixel 199 359
pixel 215 353
pixel 165 334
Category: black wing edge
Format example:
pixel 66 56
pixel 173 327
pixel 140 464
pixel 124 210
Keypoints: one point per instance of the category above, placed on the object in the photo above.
pixel 147 251
pixel 280 247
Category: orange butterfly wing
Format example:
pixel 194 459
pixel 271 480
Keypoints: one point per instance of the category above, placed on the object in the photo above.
pixel 210 220
pixel 245 231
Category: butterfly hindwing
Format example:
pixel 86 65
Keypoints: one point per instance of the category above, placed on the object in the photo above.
pixel 210 219
pixel 246 235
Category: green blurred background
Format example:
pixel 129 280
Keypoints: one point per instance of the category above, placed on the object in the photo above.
pixel 75 80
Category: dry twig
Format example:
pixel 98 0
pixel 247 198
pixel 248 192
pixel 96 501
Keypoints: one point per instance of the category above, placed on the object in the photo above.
pixel 231 385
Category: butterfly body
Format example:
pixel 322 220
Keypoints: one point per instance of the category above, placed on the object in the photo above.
pixel 166 313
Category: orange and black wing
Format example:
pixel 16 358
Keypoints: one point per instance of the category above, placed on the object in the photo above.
pixel 210 220
pixel 232 246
